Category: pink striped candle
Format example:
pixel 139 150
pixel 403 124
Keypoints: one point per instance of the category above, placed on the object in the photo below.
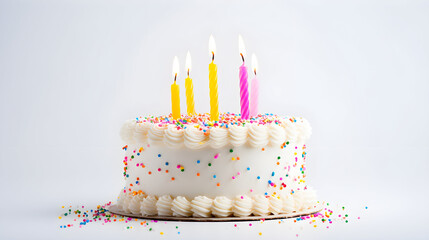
pixel 244 92
pixel 244 87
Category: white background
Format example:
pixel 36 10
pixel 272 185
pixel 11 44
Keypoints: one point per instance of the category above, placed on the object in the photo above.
pixel 73 71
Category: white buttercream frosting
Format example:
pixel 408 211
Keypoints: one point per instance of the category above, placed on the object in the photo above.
pixel 305 198
pixel 164 157
pixel 288 204
pixel 148 206
pixel 238 135
pixel 201 206
pixel 135 204
pixel 156 133
pixel 310 198
pixel 126 204
pixel 173 136
pixel 290 130
pixel 181 207
pixel 243 206
pixel 164 206
pixel 222 207
pixel 258 135
pixel 276 205
pixel 127 131
pixel 260 205
pixel 195 138
pixel 277 134
pixel 141 131
pixel 197 135
pixel 218 137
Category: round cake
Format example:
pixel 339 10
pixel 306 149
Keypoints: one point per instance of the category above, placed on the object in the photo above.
pixel 192 167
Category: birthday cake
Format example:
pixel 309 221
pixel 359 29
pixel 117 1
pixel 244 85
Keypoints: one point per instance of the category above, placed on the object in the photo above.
pixel 193 167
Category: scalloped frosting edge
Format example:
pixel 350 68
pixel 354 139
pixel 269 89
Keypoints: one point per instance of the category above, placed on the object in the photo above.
pixel 193 136
pixel 221 206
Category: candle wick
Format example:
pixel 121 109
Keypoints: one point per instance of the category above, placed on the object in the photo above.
pixel 188 72
pixel 212 56
pixel 254 71
pixel 175 76
pixel 242 57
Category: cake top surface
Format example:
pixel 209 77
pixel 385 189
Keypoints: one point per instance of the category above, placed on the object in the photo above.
pixel 204 122
pixel 198 131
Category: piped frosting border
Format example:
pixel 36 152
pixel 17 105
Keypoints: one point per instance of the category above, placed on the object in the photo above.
pixel 196 132
pixel 202 206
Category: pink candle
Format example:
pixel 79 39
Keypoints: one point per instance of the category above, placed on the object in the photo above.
pixel 254 89
pixel 254 95
pixel 244 92
pixel 244 86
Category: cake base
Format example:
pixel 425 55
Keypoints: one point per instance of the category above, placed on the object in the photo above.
pixel 114 209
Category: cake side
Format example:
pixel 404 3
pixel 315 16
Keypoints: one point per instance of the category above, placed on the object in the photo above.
pixel 196 168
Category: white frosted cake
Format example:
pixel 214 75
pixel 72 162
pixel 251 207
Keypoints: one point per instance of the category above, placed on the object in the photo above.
pixel 196 168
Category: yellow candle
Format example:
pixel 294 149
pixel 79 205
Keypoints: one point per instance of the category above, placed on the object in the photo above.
pixel 175 92
pixel 189 88
pixel 190 96
pixel 214 103
pixel 175 100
